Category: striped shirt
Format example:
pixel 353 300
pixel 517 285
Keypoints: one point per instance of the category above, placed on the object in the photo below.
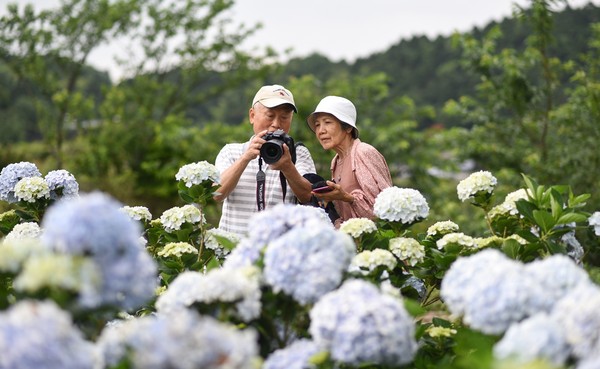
pixel 240 205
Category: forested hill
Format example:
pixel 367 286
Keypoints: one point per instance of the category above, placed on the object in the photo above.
pixel 428 70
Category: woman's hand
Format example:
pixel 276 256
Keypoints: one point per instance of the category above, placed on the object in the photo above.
pixel 336 193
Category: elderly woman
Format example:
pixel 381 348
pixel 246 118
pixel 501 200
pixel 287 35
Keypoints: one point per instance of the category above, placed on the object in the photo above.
pixel 358 170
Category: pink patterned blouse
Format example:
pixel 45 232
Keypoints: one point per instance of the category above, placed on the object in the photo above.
pixel 364 174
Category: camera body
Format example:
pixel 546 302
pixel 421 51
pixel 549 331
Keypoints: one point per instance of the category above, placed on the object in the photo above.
pixel 272 150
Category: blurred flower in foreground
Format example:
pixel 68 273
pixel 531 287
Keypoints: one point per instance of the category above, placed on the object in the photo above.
pixel 358 324
pixel 594 221
pixel 295 356
pixel 40 335
pixel 24 231
pixel 239 287
pixel 178 340
pixel 93 226
pixel 401 204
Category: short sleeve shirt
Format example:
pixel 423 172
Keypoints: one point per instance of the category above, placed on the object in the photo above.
pixel 240 205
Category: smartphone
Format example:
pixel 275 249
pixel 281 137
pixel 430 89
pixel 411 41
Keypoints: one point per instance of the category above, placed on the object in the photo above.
pixel 322 189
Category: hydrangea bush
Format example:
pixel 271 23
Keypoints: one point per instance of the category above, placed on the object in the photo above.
pixel 88 282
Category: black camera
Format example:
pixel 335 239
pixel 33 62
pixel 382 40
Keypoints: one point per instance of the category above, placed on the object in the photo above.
pixel 272 150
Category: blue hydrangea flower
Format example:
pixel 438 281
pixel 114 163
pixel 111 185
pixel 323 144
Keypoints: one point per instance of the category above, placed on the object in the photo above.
pixel 41 335
pixel 537 338
pixel 93 225
pixel 577 312
pixel 295 356
pixel 179 340
pixel 489 290
pixel 556 276
pixel 359 324
pixel 11 175
pixel 62 184
pixel 308 262
pixel 267 225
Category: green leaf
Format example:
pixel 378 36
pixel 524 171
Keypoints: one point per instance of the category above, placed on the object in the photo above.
pixel 571 217
pixel 512 248
pixel 526 209
pixel 544 220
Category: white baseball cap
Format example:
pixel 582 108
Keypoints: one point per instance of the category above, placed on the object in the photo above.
pixel 274 95
pixel 340 107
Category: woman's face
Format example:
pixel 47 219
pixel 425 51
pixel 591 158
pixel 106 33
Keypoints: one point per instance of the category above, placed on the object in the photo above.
pixel 329 131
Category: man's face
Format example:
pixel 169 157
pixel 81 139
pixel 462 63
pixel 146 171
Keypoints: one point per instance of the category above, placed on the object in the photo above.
pixel 271 119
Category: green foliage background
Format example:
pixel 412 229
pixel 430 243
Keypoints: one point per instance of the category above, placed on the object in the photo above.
pixel 518 96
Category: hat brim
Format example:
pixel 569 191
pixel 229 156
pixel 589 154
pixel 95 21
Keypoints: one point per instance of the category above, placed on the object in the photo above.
pixel 274 102
pixel 310 120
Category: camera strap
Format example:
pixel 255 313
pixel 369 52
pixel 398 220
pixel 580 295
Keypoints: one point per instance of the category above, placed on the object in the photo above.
pixel 260 186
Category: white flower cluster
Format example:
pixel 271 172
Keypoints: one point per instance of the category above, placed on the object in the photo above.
pixel 368 260
pixel 442 228
pixel 491 292
pixel 307 262
pixel 41 335
pixel 407 249
pixel 137 212
pixel 594 221
pixel 401 204
pixel 11 175
pixel 178 340
pixel 358 324
pixel 16 252
pixel 458 238
pixel 211 242
pixel 240 287
pixel 31 189
pixel 509 207
pixel 177 249
pixel 196 173
pixel 25 230
pixel 437 331
pixel 356 227
pixel 482 181
pixel 172 219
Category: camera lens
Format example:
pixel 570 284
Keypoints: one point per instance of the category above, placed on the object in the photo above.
pixel 271 151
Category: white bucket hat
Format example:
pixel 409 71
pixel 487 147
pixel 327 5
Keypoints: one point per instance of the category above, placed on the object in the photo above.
pixel 274 95
pixel 340 107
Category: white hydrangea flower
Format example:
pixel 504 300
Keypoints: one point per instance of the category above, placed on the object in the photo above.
pixel 72 273
pixel 177 249
pixel 356 227
pixel 482 242
pixel 517 238
pixel 196 173
pixel 210 241
pixel 16 251
pixel 537 338
pixel 594 221
pixel 442 228
pixel 368 260
pixel 509 206
pixel 30 189
pixel 239 286
pixel 23 231
pixel 456 238
pixel 482 181
pixel 137 212
pixel 437 331
pixel 401 204
pixel 173 218
pixel 407 249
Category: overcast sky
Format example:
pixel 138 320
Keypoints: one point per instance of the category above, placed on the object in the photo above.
pixel 346 29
